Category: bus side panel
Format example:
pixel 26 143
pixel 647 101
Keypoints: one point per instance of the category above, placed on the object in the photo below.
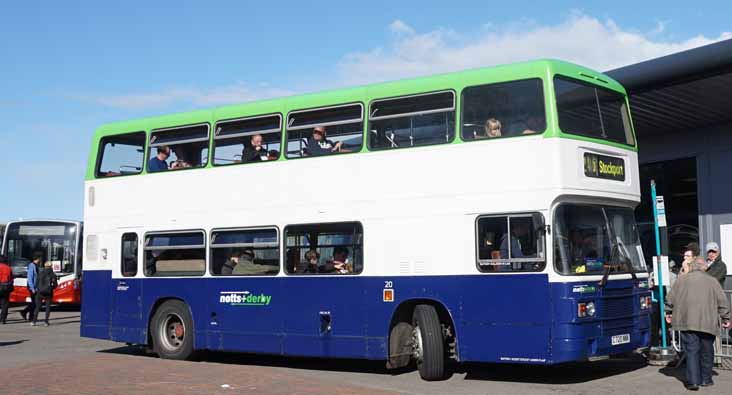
pixel 447 291
pixel 244 314
pixel 325 316
pixel 505 318
pixel 498 318
pixel 126 317
pixel 95 307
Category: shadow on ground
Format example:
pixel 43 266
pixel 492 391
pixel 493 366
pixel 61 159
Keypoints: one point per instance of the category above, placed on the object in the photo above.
pixel 12 343
pixel 14 316
pixel 573 373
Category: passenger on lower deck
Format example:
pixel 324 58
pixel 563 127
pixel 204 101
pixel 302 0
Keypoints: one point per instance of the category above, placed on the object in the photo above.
pixel 293 260
pixel 518 230
pixel 247 265
pixel 340 263
pixel 310 265
pixel 228 267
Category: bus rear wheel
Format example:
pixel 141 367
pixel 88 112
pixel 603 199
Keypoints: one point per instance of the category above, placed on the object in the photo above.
pixel 172 331
pixel 428 346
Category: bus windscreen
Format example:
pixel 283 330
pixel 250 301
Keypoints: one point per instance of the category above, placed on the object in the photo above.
pixel 587 238
pixel 55 242
pixel 592 111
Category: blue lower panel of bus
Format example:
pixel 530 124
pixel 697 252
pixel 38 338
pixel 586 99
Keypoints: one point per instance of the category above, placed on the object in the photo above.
pixel 506 318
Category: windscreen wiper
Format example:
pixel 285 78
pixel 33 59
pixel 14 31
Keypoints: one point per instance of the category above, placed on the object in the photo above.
pixel 618 253
pixel 605 276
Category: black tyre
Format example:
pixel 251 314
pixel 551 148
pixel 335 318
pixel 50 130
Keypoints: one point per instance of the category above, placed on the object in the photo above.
pixel 172 331
pixel 428 346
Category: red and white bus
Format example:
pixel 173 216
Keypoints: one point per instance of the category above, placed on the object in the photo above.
pixel 59 242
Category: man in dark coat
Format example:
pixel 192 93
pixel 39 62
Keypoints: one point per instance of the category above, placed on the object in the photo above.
pixel 715 266
pixel 694 306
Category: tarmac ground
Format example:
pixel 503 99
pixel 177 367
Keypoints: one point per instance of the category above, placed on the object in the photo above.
pixel 55 360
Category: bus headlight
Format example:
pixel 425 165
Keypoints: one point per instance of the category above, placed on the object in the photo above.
pixel 645 302
pixel 586 309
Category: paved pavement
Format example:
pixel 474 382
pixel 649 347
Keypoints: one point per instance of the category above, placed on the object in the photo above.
pixel 55 360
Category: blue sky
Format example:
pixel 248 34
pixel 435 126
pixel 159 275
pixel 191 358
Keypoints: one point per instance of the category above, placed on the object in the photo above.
pixel 67 67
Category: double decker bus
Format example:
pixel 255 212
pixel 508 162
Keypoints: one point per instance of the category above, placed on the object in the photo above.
pixel 58 242
pixel 483 215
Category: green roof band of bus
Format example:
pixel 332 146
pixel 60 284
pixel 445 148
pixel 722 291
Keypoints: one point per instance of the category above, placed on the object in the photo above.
pixel 542 69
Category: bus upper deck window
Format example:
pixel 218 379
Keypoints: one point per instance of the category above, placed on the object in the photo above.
pixel 593 111
pixel 178 148
pixel 247 140
pixel 121 155
pixel 324 131
pixel 505 109
pixel 412 121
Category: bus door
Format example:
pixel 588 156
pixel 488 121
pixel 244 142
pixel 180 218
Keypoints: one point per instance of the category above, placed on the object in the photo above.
pixel 127 324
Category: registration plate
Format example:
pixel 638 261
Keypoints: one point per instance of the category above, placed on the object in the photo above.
pixel 620 339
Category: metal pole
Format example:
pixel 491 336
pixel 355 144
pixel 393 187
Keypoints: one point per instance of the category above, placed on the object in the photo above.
pixel 659 275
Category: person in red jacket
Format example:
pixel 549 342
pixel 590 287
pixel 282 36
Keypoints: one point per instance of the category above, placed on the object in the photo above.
pixel 6 287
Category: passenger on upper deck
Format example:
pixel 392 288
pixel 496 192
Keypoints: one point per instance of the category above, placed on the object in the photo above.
pixel 319 145
pixel 492 129
pixel 254 152
pixel 273 154
pixel 533 125
pixel 158 162
pixel 183 159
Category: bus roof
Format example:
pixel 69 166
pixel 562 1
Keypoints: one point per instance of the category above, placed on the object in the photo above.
pixel 535 68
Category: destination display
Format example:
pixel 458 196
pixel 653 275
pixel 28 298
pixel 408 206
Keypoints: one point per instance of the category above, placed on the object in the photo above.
pixel 607 167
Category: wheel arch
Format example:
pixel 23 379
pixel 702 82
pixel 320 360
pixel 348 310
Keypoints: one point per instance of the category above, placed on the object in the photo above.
pixel 403 314
pixel 154 308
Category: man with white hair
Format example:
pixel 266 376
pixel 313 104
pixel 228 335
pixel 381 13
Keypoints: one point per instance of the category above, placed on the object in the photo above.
pixel 715 266
pixel 694 306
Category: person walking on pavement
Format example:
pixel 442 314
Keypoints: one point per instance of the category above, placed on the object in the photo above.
pixel 47 282
pixel 6 287
pixel 693 307
pixel 32 281
pixel 715 266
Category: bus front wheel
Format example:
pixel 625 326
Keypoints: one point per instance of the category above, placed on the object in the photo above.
pixel 428 346
pixel 172 331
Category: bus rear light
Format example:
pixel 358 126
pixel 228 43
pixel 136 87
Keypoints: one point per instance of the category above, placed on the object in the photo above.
pixel 585 309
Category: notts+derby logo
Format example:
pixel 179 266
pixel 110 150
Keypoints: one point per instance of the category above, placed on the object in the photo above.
pixel 243 298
